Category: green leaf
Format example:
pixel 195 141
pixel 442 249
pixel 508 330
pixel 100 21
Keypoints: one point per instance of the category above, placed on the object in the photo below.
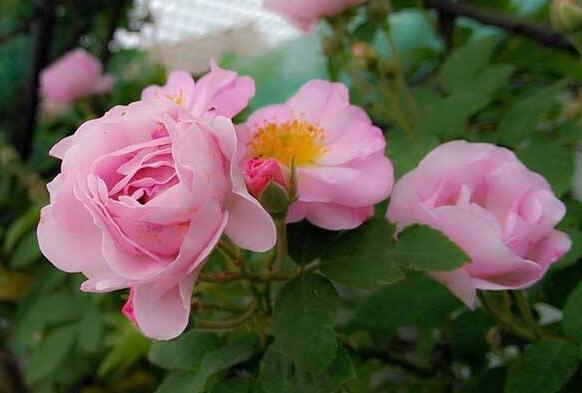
pixel 20 227
pixel 523 117
pixel 183 353
pixel 279 375
pixel 92 328
pixel 460 68
pixel 305 312
pixel 423 248
pixel 468 341
pixel 418 300
pixel 26 252
pixel 544 367
pixel 212 363
pixel 572 321
pixel 406 151
pixel 551 159
pixel 307 242
pixel 368 258
pixel 360 259
pixel 128 346
pixel 51 353
pixel 235 385
pixel 491 381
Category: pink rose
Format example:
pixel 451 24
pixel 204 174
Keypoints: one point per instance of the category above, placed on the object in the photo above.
pixel 258 174
pixel 77 74
pixel 338 154
pixel 305 13
pixel 220 92
pixel 144 194
pixel 485 200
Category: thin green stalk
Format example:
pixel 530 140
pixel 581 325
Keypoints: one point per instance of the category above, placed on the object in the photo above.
pixel 281 248
pixel 228 324
pixel 400 75
pixel 524 309
pixel 506 320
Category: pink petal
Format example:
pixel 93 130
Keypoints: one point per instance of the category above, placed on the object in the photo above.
pixel 336 217
pixel 460 284
pixel 164 317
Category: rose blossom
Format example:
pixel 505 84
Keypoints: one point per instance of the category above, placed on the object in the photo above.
pixel 305 13
pixel 219 92
pixel 77 74
pixel 144 194
pixel 337 152
pixel 258 174
pixel 486 201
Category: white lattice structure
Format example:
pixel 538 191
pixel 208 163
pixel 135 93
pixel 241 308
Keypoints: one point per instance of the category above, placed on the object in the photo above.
pixel 186 33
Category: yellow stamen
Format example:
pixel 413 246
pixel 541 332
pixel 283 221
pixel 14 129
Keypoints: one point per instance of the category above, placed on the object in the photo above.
pixel 178 99
pixel 295 141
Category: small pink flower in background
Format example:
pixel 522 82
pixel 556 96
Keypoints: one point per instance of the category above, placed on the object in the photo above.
pixel 305 13
pixel 75 75
pixel 144 194
pixel 338 154
pixel 486 201
pixel 258 174
pixel 127 308
pixel 219 92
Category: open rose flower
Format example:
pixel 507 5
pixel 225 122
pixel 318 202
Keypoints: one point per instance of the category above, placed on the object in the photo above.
pixel 337 152
pixel 219 92
pixel 144 195
pixel 75 75
pixel 305 13
pixel 486 201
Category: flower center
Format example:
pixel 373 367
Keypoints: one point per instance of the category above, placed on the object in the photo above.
pixel 177 99
pixel 295 141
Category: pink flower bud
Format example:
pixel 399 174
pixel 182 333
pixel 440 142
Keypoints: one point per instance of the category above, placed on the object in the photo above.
pixel 259 172
pixel 127 308
pixel 75 75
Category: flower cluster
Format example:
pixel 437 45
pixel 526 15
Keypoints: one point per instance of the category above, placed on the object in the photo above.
pixel 147 191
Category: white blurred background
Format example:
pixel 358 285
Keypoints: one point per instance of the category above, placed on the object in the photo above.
pixel 186 33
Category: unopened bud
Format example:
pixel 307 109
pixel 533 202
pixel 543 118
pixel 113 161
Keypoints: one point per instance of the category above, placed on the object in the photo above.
pixel 275 199
pixel 127 308
pixel 259 173
pixel 566 15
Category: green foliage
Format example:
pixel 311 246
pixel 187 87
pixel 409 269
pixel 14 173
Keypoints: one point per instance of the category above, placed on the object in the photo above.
pixel 51 353
pixel 213 362
pixel 305 312
pixel 277 374
pixel 367 257
pixel 552 159
pixel 573 313
pixel 183 353
pixel 521 118
pixel 545 367
pixel 418 300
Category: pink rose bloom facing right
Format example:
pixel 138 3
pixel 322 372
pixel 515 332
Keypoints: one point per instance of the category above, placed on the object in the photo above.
pixel 305 13
pixel 75 75
pixel 486 201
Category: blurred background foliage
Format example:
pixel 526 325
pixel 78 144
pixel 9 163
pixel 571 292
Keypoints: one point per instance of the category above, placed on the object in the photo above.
pixel 425 76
